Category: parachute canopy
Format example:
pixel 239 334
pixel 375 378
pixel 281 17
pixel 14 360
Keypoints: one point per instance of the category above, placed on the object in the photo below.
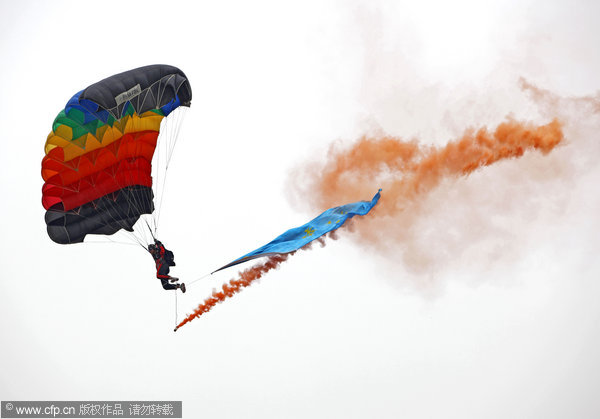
pixel 97 163
pixel 297 237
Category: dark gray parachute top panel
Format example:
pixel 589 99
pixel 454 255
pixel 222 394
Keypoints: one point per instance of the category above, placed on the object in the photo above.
pixel 146 88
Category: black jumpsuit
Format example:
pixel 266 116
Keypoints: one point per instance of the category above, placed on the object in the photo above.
pixel 162 268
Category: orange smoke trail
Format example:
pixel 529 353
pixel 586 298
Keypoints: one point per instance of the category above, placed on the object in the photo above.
pixel 246 278
pixel 408 171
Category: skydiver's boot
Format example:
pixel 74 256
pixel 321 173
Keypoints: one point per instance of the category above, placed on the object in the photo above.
pixel 181 287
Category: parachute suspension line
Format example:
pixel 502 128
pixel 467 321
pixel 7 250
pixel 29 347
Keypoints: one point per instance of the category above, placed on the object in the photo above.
pixel 149 229
pixel 172 129
pixel 167 140
pixel 155 167
pixel 176 129
pixel 134 199
pixel 130 197
pixel 162 187
pixel 161 160
pixel 130 234
pixel 158 171
pixel 161 175
pixel 137 239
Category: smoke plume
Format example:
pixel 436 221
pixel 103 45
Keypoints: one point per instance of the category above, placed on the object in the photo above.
pixel 401 226
pixel 229 289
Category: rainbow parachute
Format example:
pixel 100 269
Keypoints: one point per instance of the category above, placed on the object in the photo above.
pixel 98 165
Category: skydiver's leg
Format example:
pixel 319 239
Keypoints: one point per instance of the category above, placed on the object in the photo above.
pixel 166 285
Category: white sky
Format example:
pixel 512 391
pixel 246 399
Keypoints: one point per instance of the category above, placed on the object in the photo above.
pixel 337 331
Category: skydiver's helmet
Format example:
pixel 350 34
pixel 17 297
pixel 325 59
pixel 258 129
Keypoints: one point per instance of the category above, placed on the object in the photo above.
pixel 152 248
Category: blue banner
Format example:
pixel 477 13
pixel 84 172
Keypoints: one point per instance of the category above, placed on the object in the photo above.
pixel 298 237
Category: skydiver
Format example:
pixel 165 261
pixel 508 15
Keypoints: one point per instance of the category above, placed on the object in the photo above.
pixel 164 259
